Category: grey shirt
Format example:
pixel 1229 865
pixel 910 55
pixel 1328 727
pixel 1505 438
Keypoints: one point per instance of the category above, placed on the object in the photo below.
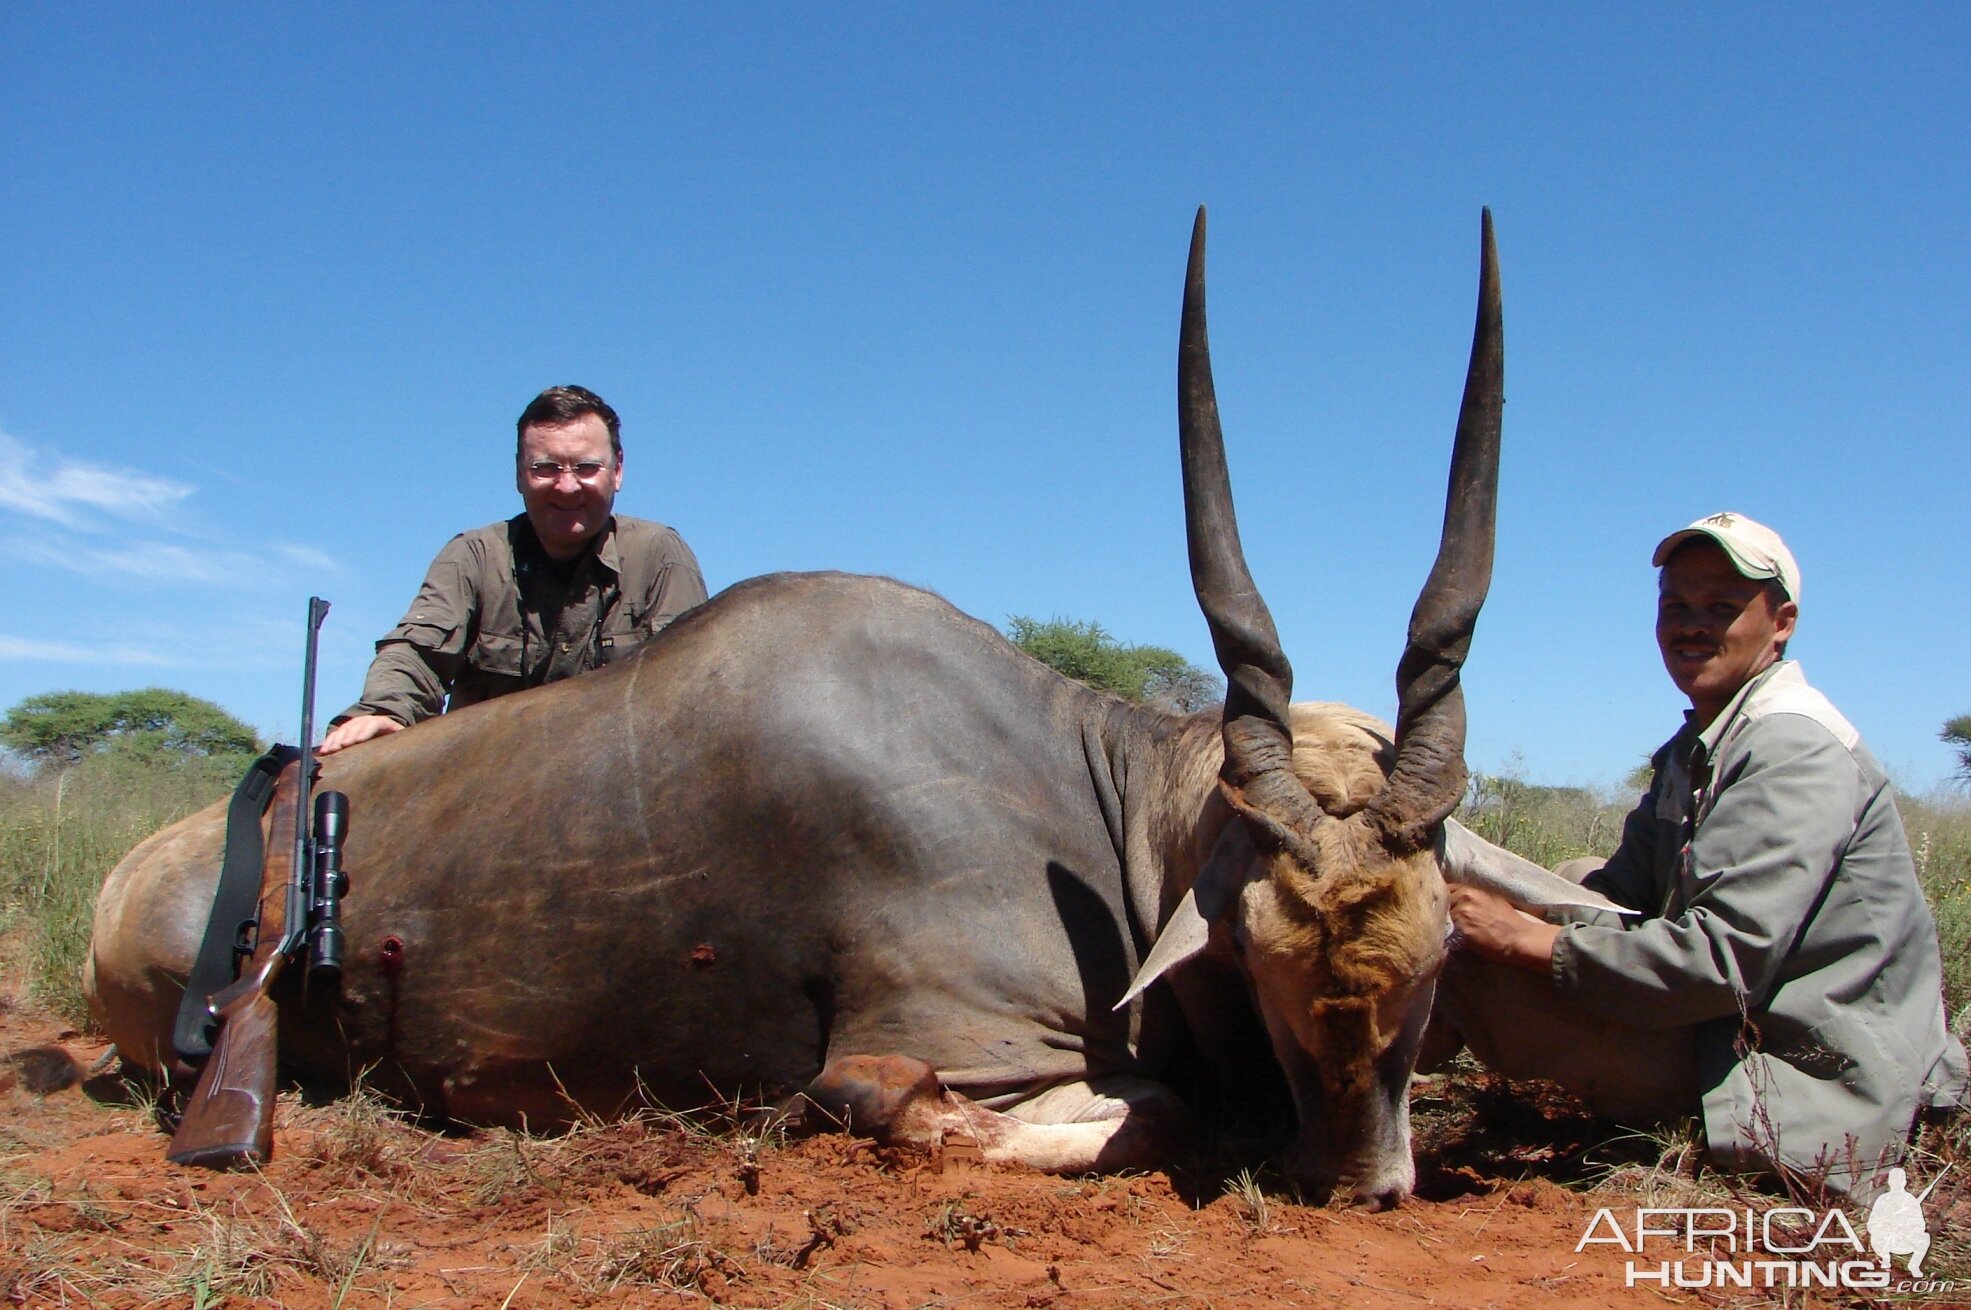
pixel 1783 921
pixel 496 614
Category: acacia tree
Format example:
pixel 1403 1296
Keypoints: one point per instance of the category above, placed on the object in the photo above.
pixel 1957 734
pixel 61 728
pixel 1086 652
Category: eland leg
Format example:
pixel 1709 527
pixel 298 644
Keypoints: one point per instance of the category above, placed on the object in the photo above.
pixel 1118 1121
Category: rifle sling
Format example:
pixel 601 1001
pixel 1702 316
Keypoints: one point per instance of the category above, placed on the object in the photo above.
pixel 235 903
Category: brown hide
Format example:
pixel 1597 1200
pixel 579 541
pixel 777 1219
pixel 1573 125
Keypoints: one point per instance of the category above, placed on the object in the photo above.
pixel 150 918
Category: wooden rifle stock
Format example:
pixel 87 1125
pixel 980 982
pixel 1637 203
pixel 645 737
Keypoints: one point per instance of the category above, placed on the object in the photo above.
pixel 229 1119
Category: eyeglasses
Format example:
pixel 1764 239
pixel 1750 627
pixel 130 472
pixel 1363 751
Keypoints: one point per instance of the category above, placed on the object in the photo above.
pixel 547 471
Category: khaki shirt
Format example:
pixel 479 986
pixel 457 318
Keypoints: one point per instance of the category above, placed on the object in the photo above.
pixel 496 615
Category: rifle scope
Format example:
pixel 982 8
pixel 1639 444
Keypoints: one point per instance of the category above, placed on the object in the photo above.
pixel 328 885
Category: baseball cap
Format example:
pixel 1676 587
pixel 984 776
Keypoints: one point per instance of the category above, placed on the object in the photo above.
pixel 1755 549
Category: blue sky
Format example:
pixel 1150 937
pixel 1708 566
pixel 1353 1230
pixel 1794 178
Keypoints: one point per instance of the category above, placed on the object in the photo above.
pixel 894 289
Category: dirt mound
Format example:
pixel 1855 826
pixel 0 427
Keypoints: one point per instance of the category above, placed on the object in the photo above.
pixel 360 1208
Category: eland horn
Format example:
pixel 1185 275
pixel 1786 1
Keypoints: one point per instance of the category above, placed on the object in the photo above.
pixel 1429 774
pixel 1258 777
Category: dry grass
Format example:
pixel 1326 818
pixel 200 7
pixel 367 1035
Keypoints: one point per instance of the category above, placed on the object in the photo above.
pixel 360 1154
pixel 1940 840
pixel 654 1205
pixel 260 1237
pixel 1251 1199
pixel 61 834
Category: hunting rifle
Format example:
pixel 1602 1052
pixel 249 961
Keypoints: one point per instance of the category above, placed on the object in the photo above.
pixel 229 1119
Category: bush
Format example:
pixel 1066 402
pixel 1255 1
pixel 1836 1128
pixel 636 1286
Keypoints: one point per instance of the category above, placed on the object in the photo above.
pixel 1086 652
pixel 61 728
pixel 1957 735
pixel 1545 824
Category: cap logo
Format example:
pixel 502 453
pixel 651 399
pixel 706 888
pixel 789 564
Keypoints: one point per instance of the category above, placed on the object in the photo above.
pixel 1724 520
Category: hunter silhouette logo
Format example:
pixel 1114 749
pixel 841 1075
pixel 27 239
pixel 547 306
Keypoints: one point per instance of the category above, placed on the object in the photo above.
pixel 1895 1222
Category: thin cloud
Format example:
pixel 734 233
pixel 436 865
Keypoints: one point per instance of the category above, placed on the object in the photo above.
pixel 207 642
pixel 55 488
pixel 165 561
pixel 308 560
pixel 86 498
pixel 32 649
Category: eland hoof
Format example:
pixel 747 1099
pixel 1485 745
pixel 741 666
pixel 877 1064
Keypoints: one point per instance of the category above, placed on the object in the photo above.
pixel 880 1096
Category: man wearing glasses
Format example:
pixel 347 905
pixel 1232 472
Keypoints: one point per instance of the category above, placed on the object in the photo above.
pixel 561 589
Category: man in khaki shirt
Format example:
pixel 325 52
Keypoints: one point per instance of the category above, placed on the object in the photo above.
pixel 563 588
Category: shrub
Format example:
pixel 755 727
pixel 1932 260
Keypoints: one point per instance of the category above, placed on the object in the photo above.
pixel 1545 824
pixel 62 728
pixel 1957 735
pixel 1086 652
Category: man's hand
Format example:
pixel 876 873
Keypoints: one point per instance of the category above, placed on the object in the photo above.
pixel 361 728
pixel 1499 931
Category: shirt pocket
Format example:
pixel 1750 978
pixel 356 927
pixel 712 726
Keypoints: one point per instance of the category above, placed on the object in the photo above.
pixel 496 654
pixel 621 635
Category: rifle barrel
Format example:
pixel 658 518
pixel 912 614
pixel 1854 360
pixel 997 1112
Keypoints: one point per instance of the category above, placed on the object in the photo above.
pixel 296 929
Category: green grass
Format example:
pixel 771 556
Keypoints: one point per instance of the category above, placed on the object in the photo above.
pixel 1940 838
pixel 61 833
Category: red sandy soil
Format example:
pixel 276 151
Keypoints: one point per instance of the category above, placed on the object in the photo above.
pixel 361 1209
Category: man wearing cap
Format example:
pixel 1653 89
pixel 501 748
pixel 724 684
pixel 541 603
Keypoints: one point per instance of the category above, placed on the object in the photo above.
pixel 1781 978
pixel 564 587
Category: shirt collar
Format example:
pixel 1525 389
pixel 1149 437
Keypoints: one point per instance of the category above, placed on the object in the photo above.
pixel 1780 672
pixel 607 552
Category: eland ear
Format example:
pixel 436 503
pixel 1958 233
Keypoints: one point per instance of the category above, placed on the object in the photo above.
pixel 1467 859
pixel 1232 865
